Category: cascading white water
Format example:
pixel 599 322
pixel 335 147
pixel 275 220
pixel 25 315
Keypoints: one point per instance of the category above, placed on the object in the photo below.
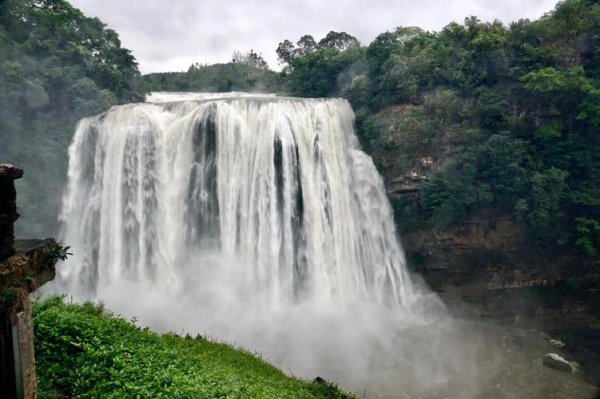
pixel 278 183
pixel 256 220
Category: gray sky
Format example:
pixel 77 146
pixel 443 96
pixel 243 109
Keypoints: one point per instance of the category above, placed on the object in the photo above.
pixel 170 35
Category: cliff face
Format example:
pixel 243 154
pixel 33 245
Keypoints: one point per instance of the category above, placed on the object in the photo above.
pixel 485 267
pixel 486 254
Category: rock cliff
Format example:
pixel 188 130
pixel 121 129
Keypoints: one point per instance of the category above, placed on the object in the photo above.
pixel 485 267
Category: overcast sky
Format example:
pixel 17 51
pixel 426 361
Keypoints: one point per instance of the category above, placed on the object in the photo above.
pixel 170 35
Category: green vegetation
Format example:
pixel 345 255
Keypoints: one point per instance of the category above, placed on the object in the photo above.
pixel 82 351
pixel 498 118
pixel 320 69
pixel 58 253
pixel 56 66
pixel 246 72
pixel 313 70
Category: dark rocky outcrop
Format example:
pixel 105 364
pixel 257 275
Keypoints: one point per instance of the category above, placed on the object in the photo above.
pixel 8 208
pixel 485 268
pixel 557 362
pixel 24 267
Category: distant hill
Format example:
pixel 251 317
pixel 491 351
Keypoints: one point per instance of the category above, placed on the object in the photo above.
pixel 233 76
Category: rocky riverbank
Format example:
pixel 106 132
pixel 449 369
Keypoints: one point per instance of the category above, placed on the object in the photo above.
pixel 484 269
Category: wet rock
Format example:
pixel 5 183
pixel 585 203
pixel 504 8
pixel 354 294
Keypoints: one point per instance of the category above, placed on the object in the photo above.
pixel 557 362
pixel 8 208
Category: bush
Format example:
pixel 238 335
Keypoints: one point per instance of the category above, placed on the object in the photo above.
pixel 82 351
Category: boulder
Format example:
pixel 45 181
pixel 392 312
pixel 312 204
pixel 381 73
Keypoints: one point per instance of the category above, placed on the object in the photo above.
pixel 557 362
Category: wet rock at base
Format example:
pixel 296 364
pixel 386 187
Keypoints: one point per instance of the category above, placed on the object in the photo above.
pixel 557 362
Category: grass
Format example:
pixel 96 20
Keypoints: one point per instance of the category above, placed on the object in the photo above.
pixel 83 351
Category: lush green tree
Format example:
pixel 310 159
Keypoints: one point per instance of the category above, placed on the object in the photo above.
pixel 321 69
pixel 453 192
pixel 285 52
pixel 56 66
pixel 250 59
pixel 338 40
pixel 325 72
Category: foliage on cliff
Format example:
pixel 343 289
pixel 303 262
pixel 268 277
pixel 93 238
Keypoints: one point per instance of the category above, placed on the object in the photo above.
pixel 319 71
pixel 246 72
pixel 504 118
pixel 56 66
pixel 84 352
pixel 323 68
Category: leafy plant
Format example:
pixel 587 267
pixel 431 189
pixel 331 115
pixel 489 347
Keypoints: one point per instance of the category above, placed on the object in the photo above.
pixel 58 253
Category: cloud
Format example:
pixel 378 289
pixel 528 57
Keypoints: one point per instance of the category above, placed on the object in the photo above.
pixel 171 35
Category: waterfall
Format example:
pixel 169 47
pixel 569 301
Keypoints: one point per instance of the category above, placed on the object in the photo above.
pixel 278 183
pixel 258 221
pixel 255 220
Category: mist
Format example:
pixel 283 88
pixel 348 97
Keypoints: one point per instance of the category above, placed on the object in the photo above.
pixel 366 348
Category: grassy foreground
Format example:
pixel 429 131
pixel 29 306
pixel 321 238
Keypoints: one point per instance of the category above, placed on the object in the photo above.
pixel 83 351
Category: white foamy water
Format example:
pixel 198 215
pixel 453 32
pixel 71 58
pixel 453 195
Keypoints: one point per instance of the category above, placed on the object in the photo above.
pixel 256 220
pixel 168 96
pixel 276 184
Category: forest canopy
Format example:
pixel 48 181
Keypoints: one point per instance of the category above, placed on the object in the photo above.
pixel 56 66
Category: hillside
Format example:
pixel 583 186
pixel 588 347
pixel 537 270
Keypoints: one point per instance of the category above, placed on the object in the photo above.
pixel 476 118
pixel 487 137
pixel 56 66
pixel 475 123
pixel 82 351
pixel 247 73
